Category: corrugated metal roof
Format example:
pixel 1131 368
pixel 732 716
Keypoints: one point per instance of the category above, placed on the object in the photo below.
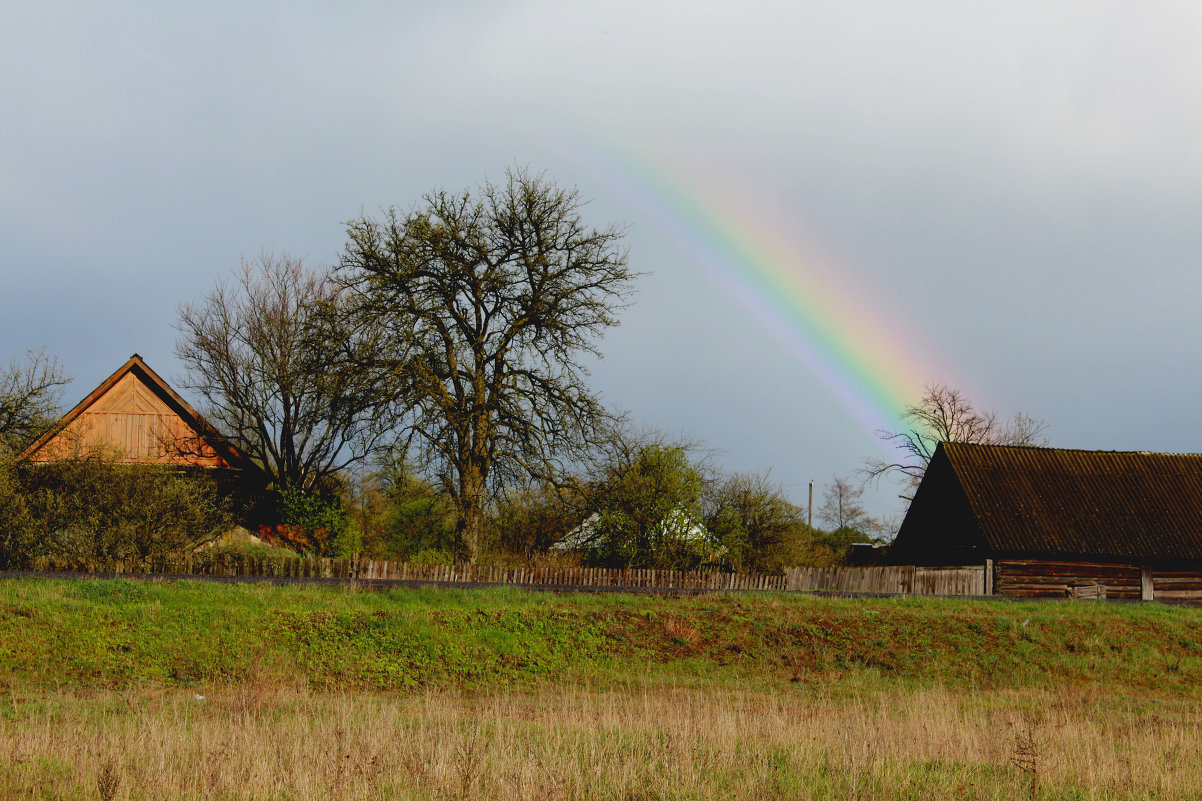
pixel 1099 503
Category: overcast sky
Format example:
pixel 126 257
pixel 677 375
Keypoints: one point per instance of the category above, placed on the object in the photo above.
pixel 1003 196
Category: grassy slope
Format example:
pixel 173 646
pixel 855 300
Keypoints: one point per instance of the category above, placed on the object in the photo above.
pixel 94 634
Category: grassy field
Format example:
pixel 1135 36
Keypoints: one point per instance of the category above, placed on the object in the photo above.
pixel 331 693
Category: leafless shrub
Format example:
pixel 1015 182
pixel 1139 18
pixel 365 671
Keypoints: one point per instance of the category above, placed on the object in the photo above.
pixel 469 762
pixel 1026 754
pixel 108 780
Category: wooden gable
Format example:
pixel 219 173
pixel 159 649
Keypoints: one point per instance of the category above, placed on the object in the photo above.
pixel 141 419
pixel 940 526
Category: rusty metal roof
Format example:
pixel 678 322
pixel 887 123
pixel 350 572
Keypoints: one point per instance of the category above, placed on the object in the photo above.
pixel 1095 503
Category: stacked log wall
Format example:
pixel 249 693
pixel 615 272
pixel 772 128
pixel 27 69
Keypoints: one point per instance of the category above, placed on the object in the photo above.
pixel 1040 578
pixel 1182 583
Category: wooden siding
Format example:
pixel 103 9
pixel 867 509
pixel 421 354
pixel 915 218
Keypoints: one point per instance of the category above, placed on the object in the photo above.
pixel 896 579
pixel 139 425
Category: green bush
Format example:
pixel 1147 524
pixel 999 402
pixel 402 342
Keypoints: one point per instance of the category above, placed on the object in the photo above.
pixel 315 525
pixel 93 509
pixel 431 556
pixel 17 530
pixel 413 517
pixel 758 526
pixel 648 512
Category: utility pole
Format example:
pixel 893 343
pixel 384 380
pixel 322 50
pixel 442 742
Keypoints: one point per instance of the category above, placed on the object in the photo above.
pixel 810 523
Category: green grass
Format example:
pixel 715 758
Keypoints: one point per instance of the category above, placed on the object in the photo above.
pixel 322 692
pixel 121 633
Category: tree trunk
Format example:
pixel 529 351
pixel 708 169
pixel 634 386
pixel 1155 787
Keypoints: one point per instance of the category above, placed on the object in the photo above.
pixel 469 531
pixel 471 513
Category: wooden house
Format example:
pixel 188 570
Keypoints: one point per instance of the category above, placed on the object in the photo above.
pixel 1053 522
pixel 136 417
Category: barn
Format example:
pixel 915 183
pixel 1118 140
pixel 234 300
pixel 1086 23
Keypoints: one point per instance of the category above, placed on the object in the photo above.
pixel 1051 522
pixel 137 418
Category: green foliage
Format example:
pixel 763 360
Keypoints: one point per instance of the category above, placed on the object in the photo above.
pixel 18 532
pixel 757 526
pixel 528 521
pixel 315 524
pixel 417 518
pixel 840 541
pixel 432 556
pixel 94 509
pixel 245 550
pixel 648 512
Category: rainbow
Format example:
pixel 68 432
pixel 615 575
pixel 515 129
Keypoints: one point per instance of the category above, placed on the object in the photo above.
pixel 794 289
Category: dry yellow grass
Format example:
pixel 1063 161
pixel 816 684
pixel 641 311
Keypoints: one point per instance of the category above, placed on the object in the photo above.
pixel 248 742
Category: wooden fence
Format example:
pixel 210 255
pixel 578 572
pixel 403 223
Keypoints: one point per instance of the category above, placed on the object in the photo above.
pixel 375 570
pixel 897 580
pixel 894 579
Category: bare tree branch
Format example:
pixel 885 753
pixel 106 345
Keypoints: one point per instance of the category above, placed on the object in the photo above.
pixel 842 505
pixel 945 414
pixel 278 371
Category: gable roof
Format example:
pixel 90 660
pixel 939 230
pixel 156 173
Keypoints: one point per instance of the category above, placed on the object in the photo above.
pixel 994 499
pixel 137 412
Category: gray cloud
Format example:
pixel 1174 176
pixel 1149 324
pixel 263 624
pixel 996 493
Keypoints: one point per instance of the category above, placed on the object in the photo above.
pixel 1019 184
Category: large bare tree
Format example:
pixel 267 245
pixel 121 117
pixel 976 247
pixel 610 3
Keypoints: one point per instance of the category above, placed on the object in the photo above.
pixel 279 374
pixel 490 303
pixel 945 414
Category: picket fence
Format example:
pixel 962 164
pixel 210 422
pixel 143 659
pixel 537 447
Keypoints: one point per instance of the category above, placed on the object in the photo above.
pixel 903 580
pixel 364 569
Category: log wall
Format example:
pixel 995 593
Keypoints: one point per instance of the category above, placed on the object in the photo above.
pixel 1179 584
pixel 1038 578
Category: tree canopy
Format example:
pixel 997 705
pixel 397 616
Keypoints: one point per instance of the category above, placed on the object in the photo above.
pixel 754 522
pixel 487 304
pixel 649 510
